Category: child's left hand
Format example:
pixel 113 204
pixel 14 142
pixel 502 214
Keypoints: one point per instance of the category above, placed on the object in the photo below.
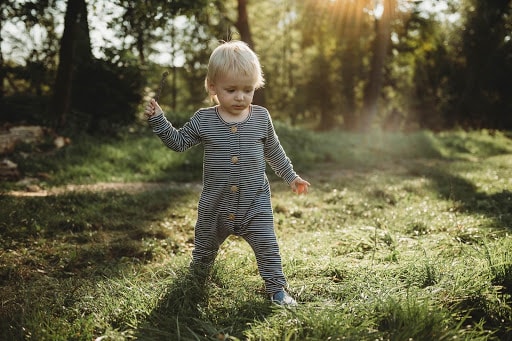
pixel 299 185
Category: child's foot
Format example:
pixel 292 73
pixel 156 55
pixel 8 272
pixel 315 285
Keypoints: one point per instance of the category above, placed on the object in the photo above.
pixel 283 299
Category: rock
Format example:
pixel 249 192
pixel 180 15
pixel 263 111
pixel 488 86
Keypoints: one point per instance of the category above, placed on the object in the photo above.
pixel 33 188
pixel 43 176
pixel 22 134
pixel 9 170
pixel 61 141
pixel 26 182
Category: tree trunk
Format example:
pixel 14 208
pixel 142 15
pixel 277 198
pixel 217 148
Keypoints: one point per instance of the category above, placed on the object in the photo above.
pixel 380 51
pixel 174 69
pixel 2 64
pixel 242 24
pixel 351 62
pixel 138 29
pixel 348 88
pixel 75 48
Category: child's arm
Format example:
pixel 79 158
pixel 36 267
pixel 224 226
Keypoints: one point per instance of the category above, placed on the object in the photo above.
pixel 280 163
pixel 176 139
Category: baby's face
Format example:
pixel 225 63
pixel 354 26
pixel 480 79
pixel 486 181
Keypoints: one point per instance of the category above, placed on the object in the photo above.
pixel 234 93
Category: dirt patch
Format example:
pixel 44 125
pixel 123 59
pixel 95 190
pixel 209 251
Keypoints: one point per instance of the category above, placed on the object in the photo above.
pixel 127 187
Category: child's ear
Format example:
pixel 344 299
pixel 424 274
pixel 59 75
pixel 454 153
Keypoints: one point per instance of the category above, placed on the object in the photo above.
pixel 211 89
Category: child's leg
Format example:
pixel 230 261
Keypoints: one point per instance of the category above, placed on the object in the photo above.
pixel 261 237
pixel 207 241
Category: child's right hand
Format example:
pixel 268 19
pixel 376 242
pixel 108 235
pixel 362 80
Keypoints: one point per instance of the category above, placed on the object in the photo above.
pixel 152 108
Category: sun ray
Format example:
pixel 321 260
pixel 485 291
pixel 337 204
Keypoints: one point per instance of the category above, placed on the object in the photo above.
pixel 344 16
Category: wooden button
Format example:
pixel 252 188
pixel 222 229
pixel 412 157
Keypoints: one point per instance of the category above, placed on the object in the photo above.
pixel 234 129
pixel 231 216
pixel 234 188
pixel 234 159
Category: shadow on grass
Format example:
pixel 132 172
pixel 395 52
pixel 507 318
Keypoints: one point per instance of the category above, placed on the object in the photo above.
pixel 48 244
pixel 185 313
pixel 467 198
pixel 178 313
pixel 498 207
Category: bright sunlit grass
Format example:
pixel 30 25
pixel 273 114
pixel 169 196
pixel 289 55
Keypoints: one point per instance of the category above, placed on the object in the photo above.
pixel 402 236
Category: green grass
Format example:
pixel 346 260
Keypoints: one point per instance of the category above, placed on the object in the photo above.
pixel 402 237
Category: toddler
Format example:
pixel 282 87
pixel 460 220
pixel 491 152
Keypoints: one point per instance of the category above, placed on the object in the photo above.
pixel 238 139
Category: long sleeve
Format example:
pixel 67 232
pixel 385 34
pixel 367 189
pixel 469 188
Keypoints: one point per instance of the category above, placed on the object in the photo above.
pixel 176 139
pixel 276 156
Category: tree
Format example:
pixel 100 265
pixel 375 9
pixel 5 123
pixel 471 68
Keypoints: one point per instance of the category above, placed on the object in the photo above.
pixel 352 31
pixel 335 34
pixel 243 27
pixel 4 14
pixel 482 83
pixel 241 23
pixel 29 14
pixel 332 63
pixel 144 23
pixel 421 70
pixel 380 52
pixel 75 49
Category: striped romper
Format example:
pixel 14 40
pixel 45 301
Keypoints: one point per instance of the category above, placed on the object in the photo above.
pixel 236 193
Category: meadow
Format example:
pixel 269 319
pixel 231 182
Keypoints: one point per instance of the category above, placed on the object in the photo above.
pixel 401 237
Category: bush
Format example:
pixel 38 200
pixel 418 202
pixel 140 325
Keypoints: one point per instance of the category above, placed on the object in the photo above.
pixel 25 108
pixel 105 96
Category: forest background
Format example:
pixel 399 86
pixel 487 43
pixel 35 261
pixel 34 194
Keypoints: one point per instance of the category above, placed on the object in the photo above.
pixel 356 65
pixel 404 235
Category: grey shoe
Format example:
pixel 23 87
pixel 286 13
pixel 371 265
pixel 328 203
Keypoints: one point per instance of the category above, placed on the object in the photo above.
pixel 283 299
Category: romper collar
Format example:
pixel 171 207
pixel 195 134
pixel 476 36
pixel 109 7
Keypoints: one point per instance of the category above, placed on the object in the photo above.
pixel 233 123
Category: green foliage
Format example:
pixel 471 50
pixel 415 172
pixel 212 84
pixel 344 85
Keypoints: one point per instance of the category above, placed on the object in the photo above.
pixel 22 108
pixel 477 87
pixel 106 96
pixel 422 65
pixel 444 70
pixel 132 155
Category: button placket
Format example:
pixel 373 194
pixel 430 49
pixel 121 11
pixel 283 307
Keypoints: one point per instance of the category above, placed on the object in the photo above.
pixel 234 141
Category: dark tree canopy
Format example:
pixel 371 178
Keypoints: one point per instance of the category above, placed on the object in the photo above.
pixel 328 64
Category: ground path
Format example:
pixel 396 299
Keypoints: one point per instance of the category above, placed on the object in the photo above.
pixel 129 187
pixel 324 173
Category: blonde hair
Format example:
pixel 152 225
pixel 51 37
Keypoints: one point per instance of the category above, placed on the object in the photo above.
pixel 234 57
